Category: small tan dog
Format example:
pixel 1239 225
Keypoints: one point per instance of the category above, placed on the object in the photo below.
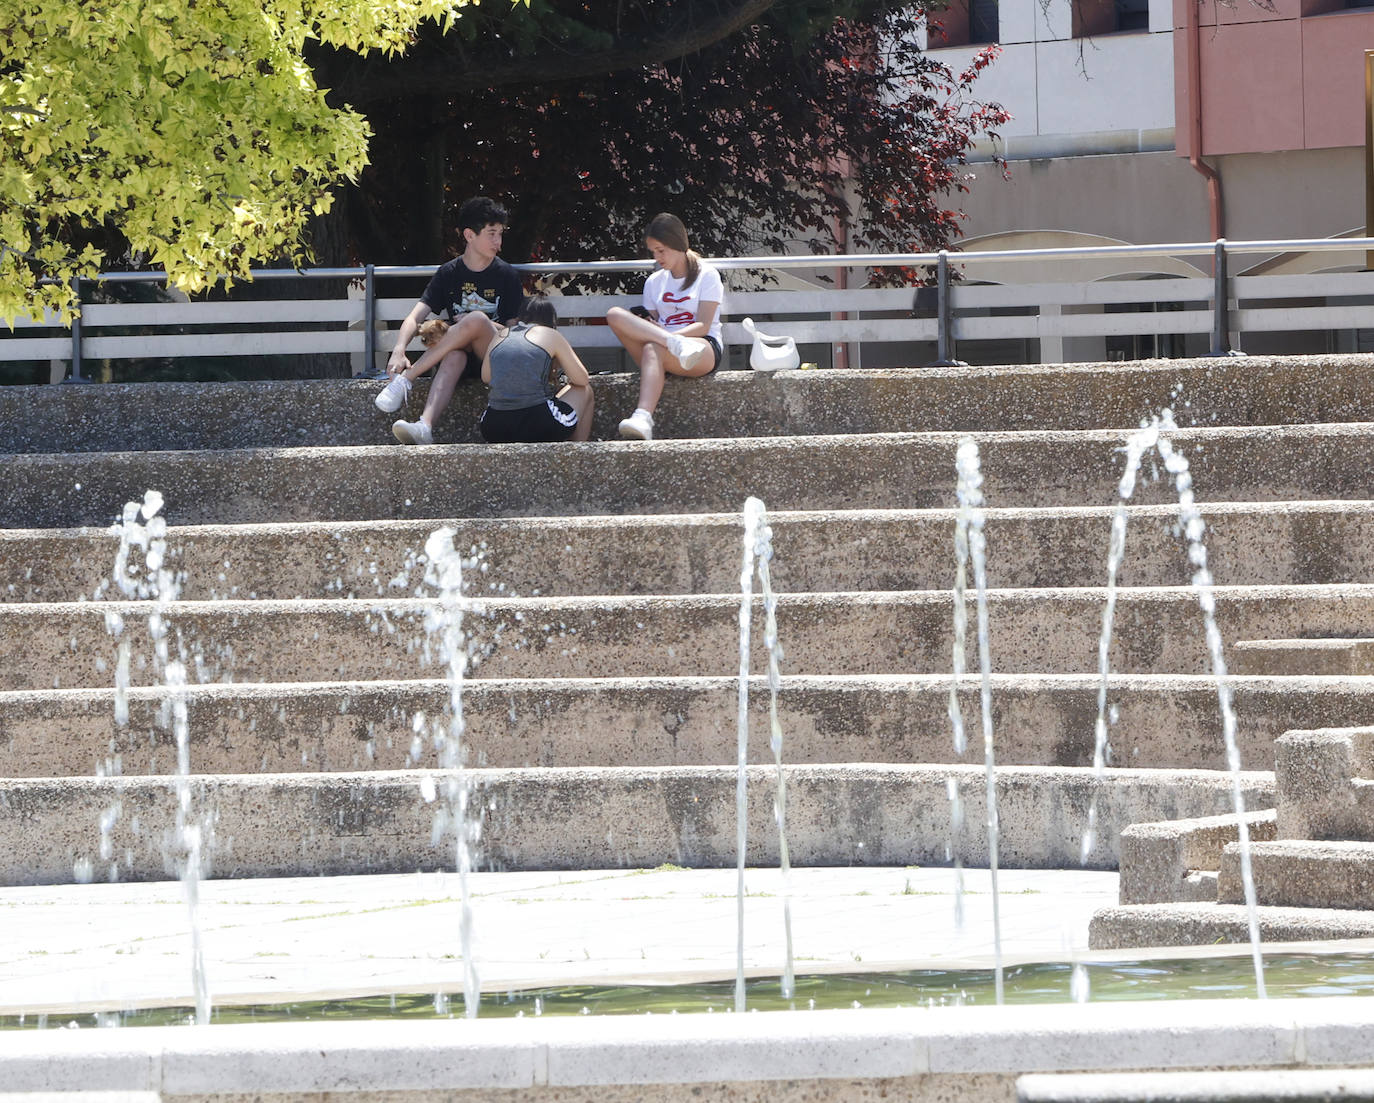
pixel 432 331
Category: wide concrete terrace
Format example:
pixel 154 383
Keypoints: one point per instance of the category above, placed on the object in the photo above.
pixel 601 703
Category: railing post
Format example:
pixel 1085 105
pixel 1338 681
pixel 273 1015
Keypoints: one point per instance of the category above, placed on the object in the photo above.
pixel 944 315
pixel 370 320
pixel 76 376
pixel 1220 341
pixel 942 311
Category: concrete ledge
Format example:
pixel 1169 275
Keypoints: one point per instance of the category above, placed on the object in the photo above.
pixel 1163 721
pixel 1134 926
pixel 1127 1036
pixel 288 825
pixel 80 1061
pixel 1276 1085
pixel 1160 862
pixel 1327 790
pixel 1304 656
pixel 356 1057
pixel 1298 873
pixel 80 1097
pixel 881 471
pixel 1157 631
pixel 329 412
pixel 789 1051
pixel 1261 543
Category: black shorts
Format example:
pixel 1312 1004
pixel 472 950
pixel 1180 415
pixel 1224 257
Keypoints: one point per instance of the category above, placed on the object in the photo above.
pixel 551 420
pixel 715 347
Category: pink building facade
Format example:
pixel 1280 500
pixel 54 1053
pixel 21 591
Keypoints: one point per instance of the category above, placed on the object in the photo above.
pixel 1287 79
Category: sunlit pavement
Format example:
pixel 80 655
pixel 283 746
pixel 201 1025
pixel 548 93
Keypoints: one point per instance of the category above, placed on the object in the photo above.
pixel 111 946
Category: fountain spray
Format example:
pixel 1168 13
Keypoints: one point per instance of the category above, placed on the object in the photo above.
pixel 444 626
pixel 1194 527
pixel 758 554
pixel 143 525
pixel 1151 436
pixel 970 495
pixel 1136 447
pixel 956 715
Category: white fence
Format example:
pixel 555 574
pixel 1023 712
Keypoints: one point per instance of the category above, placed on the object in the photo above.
pixel 943 312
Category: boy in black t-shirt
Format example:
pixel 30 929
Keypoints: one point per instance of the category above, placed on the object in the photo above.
pixel 476 290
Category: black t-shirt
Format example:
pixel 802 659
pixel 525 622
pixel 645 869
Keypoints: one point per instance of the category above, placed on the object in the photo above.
pixel 456 290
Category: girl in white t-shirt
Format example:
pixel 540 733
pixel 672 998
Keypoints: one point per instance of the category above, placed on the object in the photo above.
pixel 682 333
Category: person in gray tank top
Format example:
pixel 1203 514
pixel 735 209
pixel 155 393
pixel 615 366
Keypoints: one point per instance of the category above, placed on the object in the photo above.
pixel 520 367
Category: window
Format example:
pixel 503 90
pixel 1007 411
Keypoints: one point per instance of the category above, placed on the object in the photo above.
pixel 1325 7
pixel 982 21
pixel 964 23
pixel 1094 17
pixel 1133 15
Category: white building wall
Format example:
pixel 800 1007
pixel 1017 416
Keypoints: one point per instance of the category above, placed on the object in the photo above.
pixel 1061 90
pixel 1116 82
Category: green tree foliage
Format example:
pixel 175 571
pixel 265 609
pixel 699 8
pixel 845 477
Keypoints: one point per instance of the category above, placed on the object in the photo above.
pixel 192 131
pixel 774 135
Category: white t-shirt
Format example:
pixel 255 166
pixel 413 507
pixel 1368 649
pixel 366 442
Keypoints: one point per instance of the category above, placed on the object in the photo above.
pixel 676 308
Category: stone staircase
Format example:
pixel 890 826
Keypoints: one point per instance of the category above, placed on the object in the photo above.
pixel 1311 858
pixel 601 714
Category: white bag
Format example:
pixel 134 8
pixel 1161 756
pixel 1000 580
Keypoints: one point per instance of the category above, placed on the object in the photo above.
pixel 771 353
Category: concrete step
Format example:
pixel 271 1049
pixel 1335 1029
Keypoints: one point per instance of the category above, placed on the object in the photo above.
pixel 1327 783
pixel 1300 873
pixel 1132 926
pixel 875 471
pixel 292 413
pixel 1039 720
pixel 602 714
pixel 375 822
pixel 1156 631
pixel 1178 860
pixel 1305 656
pixel 1256 543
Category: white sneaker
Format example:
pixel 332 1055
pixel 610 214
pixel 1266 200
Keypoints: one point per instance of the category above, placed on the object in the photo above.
pixel 688 350
pixel 390 398
pixel 412 432
pixel 638 426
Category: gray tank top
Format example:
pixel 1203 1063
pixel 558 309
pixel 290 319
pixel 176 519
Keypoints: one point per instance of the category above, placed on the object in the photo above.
pixel 519 372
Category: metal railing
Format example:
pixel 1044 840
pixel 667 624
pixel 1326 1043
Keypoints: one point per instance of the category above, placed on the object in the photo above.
pixel 366 310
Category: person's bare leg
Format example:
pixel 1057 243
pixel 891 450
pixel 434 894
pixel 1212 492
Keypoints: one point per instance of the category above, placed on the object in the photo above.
pixel 635 332
pixel 581 400
pixel 472 332
pixel 704 366
pixel 651 364
pixel 446 377
pixel 646 343
pixel 655 361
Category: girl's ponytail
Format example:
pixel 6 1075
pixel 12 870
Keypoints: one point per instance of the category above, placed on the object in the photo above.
pixel 693 269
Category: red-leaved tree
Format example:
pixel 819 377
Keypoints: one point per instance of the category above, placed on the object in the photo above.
pixel 760 142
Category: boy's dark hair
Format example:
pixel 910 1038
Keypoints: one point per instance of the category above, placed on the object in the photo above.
pixel 539 311
pixel 479 212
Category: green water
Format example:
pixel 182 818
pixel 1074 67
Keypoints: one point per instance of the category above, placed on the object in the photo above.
pixel 1187 978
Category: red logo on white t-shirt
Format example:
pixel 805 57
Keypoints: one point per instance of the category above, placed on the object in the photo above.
pixel 682 317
